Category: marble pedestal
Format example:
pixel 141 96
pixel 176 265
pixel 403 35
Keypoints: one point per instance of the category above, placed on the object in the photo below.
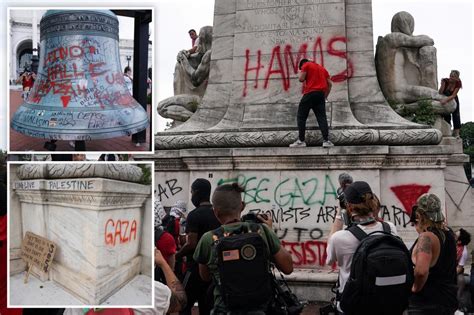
pixel 97 224
pixel 297 188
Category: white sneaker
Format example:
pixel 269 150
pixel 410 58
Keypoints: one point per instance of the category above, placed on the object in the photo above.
pixel 298 144
pixel 327 144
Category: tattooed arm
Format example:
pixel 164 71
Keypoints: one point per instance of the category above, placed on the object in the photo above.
pixel 178 295
pixel 423 257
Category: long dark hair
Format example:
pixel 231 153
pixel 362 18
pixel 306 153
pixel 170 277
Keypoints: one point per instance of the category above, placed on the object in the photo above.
pixel 464 237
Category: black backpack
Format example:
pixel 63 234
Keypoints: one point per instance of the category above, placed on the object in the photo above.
pixel 244 268
pixel 381 274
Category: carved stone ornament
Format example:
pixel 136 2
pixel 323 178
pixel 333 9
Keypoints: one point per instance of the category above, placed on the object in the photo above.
pixel 284 138
pixel 123 172
pixel 77 21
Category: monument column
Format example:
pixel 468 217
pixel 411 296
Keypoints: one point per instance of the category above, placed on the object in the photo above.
pixel 253 92
pixel 34 58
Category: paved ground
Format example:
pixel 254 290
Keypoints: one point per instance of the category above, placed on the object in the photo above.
pixel 137 291
pixel 20 142
pixel 309 309
pixel 35 292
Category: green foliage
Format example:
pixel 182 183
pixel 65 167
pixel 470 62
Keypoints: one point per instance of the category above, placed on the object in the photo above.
pixel 194 105
pixel 470 151
pixel 393 104
pixel 405 112
pixel 467 134
pixel 146 177
pixel 424 113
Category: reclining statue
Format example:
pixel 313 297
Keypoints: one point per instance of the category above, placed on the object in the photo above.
pixel 190 80
pixel 407 68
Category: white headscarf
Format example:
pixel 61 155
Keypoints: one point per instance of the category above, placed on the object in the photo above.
pixel 159 213
pixel 179 209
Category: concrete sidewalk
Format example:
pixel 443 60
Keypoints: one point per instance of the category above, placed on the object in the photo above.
pixel 35 292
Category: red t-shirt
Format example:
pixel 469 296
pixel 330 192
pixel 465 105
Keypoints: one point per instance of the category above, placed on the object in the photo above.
pixel 166 245
pixel 316 77
pixel 28 82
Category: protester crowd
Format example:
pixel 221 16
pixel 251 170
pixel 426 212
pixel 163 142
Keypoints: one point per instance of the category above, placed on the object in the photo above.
pixel 222 260
pixel 428 278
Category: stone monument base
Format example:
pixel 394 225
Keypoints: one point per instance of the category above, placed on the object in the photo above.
pixel 297 188
pixel 95 215
pixel 17 264
pixel 95 292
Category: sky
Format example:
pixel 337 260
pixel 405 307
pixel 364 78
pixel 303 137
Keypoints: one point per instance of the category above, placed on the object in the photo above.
pixel 450 26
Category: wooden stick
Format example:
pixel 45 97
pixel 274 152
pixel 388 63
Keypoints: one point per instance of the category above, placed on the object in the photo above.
pixel 27 273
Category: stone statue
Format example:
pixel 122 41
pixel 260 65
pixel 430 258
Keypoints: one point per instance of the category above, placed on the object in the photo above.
pixel 407 67
pixel 190 80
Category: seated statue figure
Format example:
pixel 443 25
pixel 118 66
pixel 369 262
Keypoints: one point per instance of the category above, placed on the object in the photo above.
pixel 407 67
pixel 190 80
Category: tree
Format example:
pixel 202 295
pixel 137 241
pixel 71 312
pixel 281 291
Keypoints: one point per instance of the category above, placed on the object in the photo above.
pixel 467 135
pixel 3 157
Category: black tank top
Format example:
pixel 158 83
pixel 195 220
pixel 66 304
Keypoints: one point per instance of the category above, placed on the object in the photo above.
pixel 441 286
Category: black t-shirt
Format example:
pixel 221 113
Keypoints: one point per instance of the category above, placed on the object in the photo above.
pixel 440 287
pixel 200 221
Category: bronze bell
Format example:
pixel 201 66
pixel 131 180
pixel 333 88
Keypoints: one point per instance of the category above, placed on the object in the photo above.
pixel 80 92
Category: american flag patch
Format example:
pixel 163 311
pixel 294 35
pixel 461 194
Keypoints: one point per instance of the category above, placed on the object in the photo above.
pixel 230 255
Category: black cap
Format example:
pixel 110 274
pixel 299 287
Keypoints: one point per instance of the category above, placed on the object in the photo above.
pixel 355 191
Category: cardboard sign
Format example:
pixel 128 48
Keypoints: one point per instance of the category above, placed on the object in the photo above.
pixel 38 251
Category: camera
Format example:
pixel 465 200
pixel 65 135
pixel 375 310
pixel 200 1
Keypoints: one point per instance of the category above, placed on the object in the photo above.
pixel 341 197
pixel 251 217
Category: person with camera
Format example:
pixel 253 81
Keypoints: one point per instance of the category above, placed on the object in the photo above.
pixel 240 271
pixel 361 204
pixel 344 181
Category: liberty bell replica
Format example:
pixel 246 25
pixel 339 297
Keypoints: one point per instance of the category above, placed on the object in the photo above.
pixel 80 92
